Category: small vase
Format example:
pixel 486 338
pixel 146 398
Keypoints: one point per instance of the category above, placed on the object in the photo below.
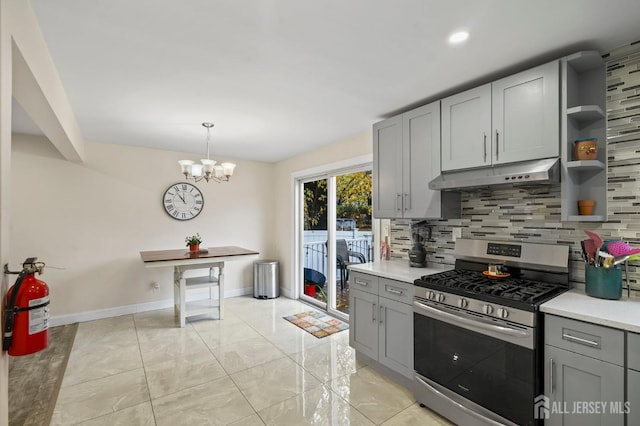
pixel 194 248
pixel 585 207
pixel 585 149
pixel 310 290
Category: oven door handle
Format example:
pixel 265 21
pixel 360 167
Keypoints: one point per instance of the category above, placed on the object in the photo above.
pixel 467 410
pixel 471 322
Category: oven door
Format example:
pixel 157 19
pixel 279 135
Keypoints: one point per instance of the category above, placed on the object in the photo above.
pixel 488 362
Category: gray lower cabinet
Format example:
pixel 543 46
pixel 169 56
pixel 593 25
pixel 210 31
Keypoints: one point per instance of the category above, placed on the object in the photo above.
pixel 633 397
pixel 382 327
pixel 633 378
pixel 395 344
pixel 576 382
pixel 363 327
pixel 584 373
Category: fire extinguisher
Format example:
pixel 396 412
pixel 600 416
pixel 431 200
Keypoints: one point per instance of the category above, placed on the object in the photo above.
pixel 26 326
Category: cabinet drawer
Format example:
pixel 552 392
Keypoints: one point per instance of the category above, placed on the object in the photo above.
pixel 364 282
pixel 396 290
pixel 633 351
pixel 595 341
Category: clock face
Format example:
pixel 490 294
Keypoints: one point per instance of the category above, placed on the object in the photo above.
pixel 183 201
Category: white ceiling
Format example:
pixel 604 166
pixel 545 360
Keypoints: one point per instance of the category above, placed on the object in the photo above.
pixel 280 77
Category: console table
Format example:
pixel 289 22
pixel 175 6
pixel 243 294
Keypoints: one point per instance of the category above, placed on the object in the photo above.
pixel 183 260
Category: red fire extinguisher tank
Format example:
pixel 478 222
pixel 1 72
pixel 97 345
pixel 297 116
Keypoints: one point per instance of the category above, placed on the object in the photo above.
pixel 27 322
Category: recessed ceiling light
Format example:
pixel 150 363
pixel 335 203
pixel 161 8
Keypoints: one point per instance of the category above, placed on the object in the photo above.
pixel 458 37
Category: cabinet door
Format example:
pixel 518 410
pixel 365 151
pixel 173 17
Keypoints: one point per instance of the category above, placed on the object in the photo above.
pixel 363 322
pixel 576 382
pixel 396 336
pixel 466 129
pixel 633 395
pixel 421 161
pixel 387 168
pixel 526 115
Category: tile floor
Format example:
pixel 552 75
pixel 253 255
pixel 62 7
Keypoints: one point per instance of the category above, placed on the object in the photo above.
pixel 252 368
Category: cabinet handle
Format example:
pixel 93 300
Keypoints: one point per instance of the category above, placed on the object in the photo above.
pixel 484 149
pixel 580 340
pixel 362 283
pixel 394 291
pixel 407 201
pixel 398 197
pixel 497 145
pixel 373 312
pixel 381 312
pixel 550 376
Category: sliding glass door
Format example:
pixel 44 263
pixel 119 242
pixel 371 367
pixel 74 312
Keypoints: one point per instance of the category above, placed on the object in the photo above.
pixel 336 232
pixel 315 242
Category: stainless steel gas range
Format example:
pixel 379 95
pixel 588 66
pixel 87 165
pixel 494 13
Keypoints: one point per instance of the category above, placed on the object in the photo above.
pixel 478 333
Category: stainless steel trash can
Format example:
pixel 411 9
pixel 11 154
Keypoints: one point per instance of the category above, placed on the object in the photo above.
pixel 266 282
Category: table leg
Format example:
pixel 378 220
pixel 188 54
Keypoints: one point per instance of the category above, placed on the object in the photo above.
pixel 179 295
pixel 221 289
pixel 176 290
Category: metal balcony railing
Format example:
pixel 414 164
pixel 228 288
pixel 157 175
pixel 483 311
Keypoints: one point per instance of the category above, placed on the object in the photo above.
pixel 315 253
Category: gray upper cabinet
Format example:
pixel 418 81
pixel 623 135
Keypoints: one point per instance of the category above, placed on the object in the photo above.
pixel 387 168
pixel 513 119
pixel 466 129
pixel 406 156
pixel 526 115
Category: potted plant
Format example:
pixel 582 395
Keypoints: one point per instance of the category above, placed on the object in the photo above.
pixel 193 242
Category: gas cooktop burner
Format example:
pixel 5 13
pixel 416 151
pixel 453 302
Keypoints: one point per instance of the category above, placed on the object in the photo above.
pixel 473 283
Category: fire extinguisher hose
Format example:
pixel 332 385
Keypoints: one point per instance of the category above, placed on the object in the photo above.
pixel 11 311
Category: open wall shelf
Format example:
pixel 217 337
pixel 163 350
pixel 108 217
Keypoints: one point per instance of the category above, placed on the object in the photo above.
pixel 583 102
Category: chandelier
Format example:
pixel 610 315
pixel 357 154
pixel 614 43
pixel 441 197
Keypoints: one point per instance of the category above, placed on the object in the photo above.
pixel 207 169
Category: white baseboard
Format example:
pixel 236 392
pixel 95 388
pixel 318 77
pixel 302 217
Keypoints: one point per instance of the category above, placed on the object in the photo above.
pixel 130 309
pixel 286 293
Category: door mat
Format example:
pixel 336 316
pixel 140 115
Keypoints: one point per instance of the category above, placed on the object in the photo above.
pixel 34 380
pixel 317 323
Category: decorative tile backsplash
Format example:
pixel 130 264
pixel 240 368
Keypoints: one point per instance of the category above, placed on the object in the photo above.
pixel 516 214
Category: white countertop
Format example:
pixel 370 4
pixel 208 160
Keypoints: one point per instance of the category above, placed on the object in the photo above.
pixel 397 270
pixel 623 313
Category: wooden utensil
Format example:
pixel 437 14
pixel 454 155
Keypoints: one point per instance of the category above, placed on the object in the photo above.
pixel 590 249
pixel 585 256
pixel 595 237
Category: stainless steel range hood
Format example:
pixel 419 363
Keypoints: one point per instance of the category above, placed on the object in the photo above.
pixel 529 173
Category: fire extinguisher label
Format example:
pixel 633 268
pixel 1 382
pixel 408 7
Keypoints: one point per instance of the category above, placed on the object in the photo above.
pixel 39 317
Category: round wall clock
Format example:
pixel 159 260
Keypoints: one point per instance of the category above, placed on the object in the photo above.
pixel 183 201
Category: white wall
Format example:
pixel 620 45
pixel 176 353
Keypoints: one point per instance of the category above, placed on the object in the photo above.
pixel 5 185
pixel 93 219
pixel 22 48
pixel 346 149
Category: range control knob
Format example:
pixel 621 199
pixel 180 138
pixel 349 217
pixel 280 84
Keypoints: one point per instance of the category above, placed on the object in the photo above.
pixel 431 295
pixel 487 309
pixel 439 297
pixel 502 313
pixel 462 303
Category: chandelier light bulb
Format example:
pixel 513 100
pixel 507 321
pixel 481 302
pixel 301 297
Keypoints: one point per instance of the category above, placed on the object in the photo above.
pixel 207 169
